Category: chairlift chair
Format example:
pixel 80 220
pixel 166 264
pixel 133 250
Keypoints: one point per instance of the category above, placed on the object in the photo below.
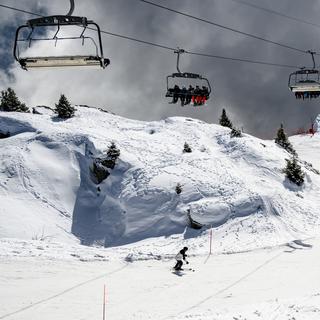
pixel 191 78
pixel 59 21
pixel 306 82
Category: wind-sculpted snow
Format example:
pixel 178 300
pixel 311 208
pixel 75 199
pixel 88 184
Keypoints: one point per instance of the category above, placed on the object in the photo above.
pixel 14 126
pixel 235 185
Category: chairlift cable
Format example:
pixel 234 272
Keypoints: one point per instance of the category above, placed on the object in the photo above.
pixel 249 4
pixel 138 40
pixel 201 54
pixel 241 60
pixel 223 27
pixel 170 48
pixel 20 10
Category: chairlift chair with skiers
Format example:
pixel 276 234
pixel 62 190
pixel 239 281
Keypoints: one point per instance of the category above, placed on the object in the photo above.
pixel 197 89
pixel 305 83
pixel 59 22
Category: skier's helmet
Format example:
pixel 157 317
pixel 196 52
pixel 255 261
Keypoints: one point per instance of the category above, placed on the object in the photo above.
pixel 185 248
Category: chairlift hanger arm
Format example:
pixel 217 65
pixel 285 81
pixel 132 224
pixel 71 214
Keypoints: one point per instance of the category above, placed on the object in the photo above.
pixel 312 55
pixel 15 47
pixel 178 52
pixel 71 8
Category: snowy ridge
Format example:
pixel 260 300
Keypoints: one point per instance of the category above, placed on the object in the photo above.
pixel 234 184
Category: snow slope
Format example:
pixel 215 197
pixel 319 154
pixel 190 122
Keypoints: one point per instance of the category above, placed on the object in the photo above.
pixel 307 146
pixel 234 184
pixel 265 244
pixel 47 281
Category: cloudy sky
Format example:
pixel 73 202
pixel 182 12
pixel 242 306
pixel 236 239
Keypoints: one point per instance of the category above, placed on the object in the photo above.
pixel 256 97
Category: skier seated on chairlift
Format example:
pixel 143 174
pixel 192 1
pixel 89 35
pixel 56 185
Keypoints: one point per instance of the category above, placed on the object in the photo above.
pixel 201 100
pixel 205 92
pixel 200 96
pixel 307 95
pixel 189 94
pixel 195 97
pixel 183 95
pixel 179 257
pixel 176 92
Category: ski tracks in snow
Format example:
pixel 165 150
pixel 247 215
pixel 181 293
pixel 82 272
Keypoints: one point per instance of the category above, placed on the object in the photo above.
pixel 247 275
pixel 34 304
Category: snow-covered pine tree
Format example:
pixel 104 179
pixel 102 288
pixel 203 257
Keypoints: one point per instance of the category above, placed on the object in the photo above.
pixel 10 102
pixel 224 120
pixel 113 154
pixel 235 133
pixel 282 140
pixel 186 148
pixel 107 161
pixel 64 108
pixel 293 171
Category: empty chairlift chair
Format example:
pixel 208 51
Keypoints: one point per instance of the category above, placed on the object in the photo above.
pixel 59 22
pixel 305 83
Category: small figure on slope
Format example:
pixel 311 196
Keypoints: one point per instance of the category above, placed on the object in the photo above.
pixel 179 257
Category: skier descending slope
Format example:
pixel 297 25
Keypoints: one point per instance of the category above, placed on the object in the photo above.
pixel 179 257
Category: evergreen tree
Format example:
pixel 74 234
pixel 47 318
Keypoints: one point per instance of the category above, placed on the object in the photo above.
pixel 282 140
pixel 186 148
pixel 293 172
pixel 64 108
pixel 224 120
pixel 113 152
pixel 10 102
pixel 235 133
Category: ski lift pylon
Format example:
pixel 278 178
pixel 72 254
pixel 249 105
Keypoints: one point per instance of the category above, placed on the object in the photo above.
pixel 62 60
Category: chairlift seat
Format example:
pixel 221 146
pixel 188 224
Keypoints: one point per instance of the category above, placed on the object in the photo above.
pixel 62 61
pixel 170 93
pixel 306 87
